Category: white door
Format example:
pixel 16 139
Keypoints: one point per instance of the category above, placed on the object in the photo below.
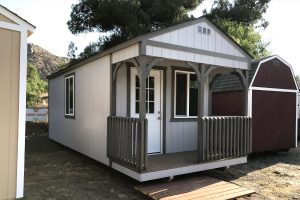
pixel 153 107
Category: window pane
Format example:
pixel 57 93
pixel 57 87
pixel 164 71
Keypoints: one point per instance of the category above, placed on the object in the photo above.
pixel 67 99
pixel 137 81
pixel 151 107
pixel 71 96
pixel 151 82
pixel 137 94
pixel 151 95
pixel 137 108
pixel 147 107
pixel 147 83
pixel 181 92
pixel 147 95
pixel 193 95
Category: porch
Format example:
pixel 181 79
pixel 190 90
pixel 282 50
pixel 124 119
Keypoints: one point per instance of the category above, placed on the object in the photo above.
pixel 226 141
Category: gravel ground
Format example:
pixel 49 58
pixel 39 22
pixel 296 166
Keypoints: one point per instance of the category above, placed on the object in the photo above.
pixel 54 172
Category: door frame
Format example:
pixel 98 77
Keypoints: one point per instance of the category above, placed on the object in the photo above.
pixel 162 116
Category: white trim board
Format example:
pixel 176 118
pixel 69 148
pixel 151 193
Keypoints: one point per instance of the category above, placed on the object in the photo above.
pixel 180 170
pixel 22 115
pixel 10 26
pixel 273 89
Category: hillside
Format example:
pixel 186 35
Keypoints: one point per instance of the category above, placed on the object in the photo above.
pixel 46 62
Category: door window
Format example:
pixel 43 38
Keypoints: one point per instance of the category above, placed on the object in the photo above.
pixel 149 95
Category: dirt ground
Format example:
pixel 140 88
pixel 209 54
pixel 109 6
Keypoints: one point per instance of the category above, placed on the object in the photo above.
pixel 54 172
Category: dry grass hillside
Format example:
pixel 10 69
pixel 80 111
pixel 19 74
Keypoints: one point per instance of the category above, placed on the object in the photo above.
pixel 46 62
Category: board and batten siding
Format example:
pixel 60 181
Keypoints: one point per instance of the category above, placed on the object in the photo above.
pixel 190 37
pixel 9 106
pixel 126 53
pixel 87 133
pixel 180 135
pixel 121 92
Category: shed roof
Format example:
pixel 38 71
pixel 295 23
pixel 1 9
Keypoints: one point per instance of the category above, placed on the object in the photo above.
pixel 145 37
pixel 231 82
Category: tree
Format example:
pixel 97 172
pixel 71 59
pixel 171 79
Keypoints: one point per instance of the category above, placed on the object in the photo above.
pixel 240 20
pixel 246 36
pixel 72 51
pixel 35 86
pixel 126 19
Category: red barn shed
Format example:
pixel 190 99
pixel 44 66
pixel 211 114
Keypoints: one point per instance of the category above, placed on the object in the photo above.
pixel 272 103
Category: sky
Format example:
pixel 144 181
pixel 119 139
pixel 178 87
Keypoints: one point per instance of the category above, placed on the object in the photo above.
pixel 51 16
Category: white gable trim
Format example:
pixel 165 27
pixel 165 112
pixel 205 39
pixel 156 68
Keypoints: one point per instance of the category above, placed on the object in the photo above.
pixel 271 58
pixel 10 26
pixel 4 11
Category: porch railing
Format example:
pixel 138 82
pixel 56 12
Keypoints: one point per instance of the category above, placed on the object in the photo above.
pixel 226 137
pixel 125 142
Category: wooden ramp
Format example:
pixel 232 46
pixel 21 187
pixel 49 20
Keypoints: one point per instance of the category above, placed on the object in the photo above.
pixel 200 187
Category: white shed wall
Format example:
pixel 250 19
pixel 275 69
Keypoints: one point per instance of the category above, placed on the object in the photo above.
pixel 87 132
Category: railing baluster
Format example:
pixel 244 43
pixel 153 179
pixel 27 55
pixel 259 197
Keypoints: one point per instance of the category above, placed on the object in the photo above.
pixel 207 138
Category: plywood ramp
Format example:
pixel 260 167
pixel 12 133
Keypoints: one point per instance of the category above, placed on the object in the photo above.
pixel 200 187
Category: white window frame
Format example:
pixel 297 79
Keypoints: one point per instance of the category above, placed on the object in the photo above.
pixel 188 73
pixel 69 114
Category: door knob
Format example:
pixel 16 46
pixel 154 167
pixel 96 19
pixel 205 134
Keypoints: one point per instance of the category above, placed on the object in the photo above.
pixel 158 118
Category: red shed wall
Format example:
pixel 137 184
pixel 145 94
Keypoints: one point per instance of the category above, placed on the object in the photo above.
pixel 274 120
pixel 228 103
pixel 274 74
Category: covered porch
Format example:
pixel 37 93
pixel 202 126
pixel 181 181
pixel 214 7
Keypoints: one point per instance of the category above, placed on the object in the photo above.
pixel 220 140
pixel 161 121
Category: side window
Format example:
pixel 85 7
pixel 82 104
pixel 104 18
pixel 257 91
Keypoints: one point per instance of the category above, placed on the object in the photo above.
pixel 70 95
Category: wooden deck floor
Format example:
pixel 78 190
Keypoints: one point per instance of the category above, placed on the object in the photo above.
pixel 170 161
pixel 200 187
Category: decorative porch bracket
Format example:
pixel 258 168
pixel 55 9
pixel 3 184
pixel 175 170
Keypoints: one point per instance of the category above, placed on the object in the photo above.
pixel 244 78
pixel 143 66
pixel 202 71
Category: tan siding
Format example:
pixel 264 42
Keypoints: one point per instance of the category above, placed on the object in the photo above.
pixel 9 81
pixel 5 19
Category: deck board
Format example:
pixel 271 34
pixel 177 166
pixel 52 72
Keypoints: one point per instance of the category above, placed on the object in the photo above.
pixel 200 187
pixel 172 160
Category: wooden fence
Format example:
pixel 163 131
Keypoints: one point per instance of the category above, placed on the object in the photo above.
pixel 125 142
pixel 226 137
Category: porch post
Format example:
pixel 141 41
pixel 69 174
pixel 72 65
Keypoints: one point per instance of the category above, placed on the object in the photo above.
pixel 246 87
pixel 201 104
pixel 143 74
pixel 200 72
pixel 113 93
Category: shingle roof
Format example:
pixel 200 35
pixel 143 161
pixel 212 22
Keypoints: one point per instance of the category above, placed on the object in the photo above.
pixel 231 82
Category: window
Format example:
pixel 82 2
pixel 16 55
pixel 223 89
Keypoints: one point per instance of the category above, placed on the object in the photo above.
pixel 186 95
pixel 149 94
pixel 69 95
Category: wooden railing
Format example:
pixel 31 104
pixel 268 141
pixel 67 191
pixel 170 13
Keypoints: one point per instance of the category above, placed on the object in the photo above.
pixel 125 142
pixel 225 137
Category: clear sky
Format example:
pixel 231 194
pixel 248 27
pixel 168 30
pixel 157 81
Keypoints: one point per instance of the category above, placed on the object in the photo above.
pixel 51 16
